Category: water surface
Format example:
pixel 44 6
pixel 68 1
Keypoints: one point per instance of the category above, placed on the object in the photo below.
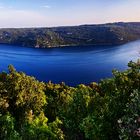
pixel 73 65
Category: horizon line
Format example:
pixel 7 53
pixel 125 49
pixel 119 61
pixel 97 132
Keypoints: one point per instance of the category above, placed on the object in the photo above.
pixel 86 24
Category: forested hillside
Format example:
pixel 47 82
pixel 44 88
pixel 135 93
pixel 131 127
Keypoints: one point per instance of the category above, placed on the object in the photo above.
pixel 103 34
pixel 33 110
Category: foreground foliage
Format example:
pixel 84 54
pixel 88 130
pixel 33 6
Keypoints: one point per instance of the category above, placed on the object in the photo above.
pixel 33 110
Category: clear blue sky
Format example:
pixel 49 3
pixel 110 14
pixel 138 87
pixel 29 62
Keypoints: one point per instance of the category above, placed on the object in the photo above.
pixel 36 13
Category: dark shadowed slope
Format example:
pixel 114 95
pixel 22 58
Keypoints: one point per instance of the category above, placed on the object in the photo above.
pixel 103 34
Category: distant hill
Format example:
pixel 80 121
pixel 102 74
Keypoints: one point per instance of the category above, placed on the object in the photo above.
pixel 102 34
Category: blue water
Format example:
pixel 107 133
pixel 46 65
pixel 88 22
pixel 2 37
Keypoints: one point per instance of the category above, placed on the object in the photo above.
pixel 73 65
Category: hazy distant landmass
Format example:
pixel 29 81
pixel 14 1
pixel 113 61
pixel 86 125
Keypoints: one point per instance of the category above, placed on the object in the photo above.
pixel 102 34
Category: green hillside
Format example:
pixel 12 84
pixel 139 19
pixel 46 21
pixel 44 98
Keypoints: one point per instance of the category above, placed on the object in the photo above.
pixel 103 34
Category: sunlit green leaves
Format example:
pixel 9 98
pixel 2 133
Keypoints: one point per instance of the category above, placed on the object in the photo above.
pixel 33 110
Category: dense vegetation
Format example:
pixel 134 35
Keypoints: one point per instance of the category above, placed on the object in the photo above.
pixel 33 110
pixel 103 34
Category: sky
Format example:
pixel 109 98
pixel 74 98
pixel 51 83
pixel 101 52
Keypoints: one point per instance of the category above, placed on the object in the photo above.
pixel 48 13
